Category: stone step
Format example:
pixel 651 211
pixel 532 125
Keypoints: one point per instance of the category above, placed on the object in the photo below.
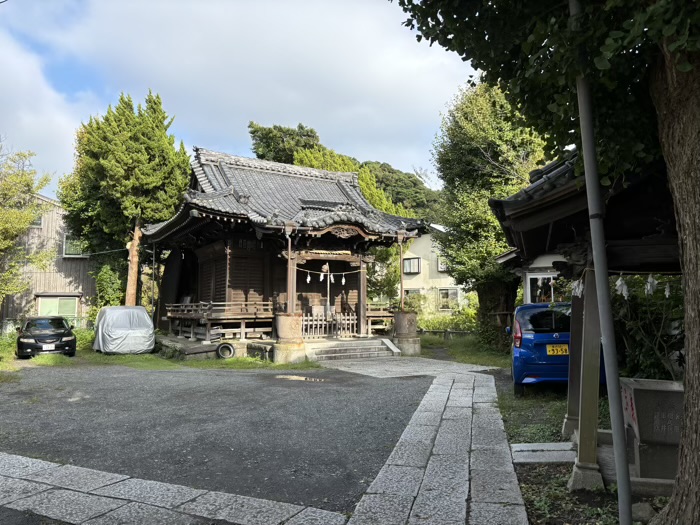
pixel 351 343
pixel 351 349
pixel 354 355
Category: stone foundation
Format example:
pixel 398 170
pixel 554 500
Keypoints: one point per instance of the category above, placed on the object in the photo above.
pixel 408 345
pixel 289 352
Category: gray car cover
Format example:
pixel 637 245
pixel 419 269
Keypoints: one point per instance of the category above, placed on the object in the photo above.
pixel 124 330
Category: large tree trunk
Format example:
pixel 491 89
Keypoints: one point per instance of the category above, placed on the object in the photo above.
pixel 676 96
pixel 496 298
pixel 132 281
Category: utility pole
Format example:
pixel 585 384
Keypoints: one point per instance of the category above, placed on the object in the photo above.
pixel 596 215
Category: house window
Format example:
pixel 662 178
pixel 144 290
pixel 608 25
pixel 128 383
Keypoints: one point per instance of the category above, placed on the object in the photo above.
pixel 448 298
pixel 63 306
pixel 72 246
pixel 540 288
pixel 38 222
pixel 411 265
pixel 441 265
pixel 411 292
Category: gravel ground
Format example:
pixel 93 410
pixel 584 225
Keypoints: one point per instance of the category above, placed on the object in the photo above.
pixel 316 443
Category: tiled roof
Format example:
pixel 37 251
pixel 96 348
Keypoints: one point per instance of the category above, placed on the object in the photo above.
pixel 273 193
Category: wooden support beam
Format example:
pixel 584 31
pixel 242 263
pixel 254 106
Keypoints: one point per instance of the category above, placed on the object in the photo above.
pixel 362 299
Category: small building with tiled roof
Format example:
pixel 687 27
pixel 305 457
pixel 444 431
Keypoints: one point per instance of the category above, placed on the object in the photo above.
pixel 251 234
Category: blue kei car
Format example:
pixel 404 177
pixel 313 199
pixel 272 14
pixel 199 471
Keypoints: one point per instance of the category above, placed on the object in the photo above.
pixel 540 344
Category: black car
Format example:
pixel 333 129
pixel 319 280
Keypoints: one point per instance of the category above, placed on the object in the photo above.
pixel 45 335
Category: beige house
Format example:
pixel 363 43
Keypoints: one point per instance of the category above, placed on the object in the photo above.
pixel 425 274
pixel 61 289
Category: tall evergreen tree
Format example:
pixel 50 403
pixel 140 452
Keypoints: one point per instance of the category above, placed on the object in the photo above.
pixel 483 151
pixel 127 172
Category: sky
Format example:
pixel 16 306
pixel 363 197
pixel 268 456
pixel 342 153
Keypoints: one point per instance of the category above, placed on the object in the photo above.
pixel 349 69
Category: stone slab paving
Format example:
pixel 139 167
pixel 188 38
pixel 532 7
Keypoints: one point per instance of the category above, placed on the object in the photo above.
pixel 67 505
pixel 103 498
pixel 76 478
pixel 150 492
pixel 453 464
pixel 135 513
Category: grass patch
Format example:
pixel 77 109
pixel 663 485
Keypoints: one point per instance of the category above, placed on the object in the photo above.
pixel 549 502
pixel 8 343
pixel 467 349
pixel 247 363
pixel 53 360
pixel 547 499
pixel 85 355
pixel 535 418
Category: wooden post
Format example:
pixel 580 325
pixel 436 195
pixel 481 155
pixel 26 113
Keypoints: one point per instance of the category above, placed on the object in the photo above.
pixel 291 278
pixel 400 236
pixel 574 387
pixel 362 299
pixel 586 473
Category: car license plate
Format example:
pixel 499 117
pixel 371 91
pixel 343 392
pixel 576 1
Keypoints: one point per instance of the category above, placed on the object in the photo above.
pixel 557 349
pixel 48 347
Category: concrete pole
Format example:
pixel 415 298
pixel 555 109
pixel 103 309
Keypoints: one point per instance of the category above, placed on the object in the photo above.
pixel 596 212
pixel 574 386
pixel 586 473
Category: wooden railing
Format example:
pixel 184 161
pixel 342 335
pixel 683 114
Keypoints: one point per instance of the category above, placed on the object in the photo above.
pixel 339 325
pixel 381 310
pixel 232 310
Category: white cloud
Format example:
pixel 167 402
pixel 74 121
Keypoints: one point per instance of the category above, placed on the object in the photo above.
pixel 33 116
pixel 348 69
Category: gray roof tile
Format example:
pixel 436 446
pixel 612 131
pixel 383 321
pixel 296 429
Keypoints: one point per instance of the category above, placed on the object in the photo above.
pixel 275 193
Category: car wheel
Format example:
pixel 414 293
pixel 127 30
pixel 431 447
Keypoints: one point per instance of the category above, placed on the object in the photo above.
pixel 518 390
pixel 71 354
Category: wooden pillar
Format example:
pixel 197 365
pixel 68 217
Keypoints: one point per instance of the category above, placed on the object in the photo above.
pixel 586 474
pixel 575 349
pixel 362 299
pixel 291 278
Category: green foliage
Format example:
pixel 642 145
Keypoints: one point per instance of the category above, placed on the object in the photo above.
pixel 19 183
pixel 8 343
pixel 484 144
pixel 649 327
pixel 468 349
pixel 109 286
pixel 279 143
pixel 127 171
pixel 533 51
pixel 405 188
pixel 463 319
pixel 483 151
pixel 322 158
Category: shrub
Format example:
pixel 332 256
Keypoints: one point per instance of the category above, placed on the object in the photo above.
pixel 648 314
pixel 463 319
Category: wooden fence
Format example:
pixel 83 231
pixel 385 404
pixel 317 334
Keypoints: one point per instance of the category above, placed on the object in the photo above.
pixel 319 326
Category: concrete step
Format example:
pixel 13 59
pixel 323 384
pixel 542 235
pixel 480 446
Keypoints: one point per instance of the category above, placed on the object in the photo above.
pixel 353 343
pixel 351 349
pixel 354 355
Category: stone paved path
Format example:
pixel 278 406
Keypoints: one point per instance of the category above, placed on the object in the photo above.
pixel 452 465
